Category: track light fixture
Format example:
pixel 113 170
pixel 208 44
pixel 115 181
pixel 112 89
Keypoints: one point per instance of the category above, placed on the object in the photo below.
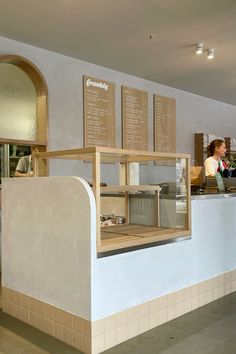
pixel 199 49
pixel 210 54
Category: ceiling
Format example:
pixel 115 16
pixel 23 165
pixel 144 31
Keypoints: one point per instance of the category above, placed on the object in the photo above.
pixel 114 34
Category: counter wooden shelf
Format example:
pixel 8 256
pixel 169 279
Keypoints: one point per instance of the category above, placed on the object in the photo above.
pixel 126 236
pixel 145 220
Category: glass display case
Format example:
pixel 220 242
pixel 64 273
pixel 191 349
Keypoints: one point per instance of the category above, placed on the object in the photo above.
pixel 142 197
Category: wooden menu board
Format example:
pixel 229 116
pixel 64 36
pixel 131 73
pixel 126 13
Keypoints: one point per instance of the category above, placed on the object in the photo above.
pixel 164 124
pixel 99 112
pixel 134 119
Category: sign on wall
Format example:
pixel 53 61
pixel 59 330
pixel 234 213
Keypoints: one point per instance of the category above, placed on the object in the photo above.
pixel 134 119
pixel 164 124
pixel 99 112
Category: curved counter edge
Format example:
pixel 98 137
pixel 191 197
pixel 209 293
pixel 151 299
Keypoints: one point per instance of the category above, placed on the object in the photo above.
pixel 49 231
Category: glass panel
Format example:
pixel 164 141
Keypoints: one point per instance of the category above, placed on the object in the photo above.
pixel 181 194
pixel 18 104
pixel 155 193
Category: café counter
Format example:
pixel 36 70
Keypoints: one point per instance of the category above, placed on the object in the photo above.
pixel 53 279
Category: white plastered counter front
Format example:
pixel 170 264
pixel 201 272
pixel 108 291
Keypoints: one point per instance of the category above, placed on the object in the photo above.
pixel 47 228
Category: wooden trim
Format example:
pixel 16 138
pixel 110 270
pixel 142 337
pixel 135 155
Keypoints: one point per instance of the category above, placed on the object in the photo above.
pixel 40 166
pixel 36 172
pixel 137 155
pixel 30 69
pixel 228 146
pixel 130 188
pixel 96 191
pixel 22 142
pixel 140 152
pixel 199 149
pixel 62 153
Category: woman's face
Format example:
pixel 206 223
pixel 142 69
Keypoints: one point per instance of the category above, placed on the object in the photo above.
pixel 221 150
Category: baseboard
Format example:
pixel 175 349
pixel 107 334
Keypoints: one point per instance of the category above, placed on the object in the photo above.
pixel 97 336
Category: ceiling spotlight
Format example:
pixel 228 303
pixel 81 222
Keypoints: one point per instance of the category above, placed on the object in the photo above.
pixel 199 48
pixel 210 54
pixel 150 36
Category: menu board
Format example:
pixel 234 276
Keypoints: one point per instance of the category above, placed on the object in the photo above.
pixel 99 112
pixel 134 119
pixel 164 124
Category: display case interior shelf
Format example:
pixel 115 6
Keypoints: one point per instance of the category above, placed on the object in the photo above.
pixel 151 201
pixel 129 188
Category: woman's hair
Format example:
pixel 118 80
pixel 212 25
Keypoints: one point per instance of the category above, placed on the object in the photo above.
pixel 213 145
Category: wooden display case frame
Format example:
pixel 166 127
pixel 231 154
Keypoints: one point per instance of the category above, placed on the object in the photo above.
pixel 139 234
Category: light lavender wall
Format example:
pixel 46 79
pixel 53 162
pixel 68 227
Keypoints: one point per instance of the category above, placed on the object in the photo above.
pixel 64 78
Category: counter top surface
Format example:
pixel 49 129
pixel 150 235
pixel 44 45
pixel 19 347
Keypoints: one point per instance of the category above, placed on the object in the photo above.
pixel 213 196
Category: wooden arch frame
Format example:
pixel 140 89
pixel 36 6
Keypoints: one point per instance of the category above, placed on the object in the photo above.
pixel 41 100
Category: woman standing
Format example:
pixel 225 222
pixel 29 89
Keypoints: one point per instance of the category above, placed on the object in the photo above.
pixel 214 163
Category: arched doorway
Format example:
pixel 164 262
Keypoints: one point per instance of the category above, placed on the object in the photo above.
pixel 39 127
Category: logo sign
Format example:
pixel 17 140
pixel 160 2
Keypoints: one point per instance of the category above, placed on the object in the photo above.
pixel 101 85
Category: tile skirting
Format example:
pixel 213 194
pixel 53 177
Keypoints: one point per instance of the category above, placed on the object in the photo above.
pixel 57 323
pixel 98 336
